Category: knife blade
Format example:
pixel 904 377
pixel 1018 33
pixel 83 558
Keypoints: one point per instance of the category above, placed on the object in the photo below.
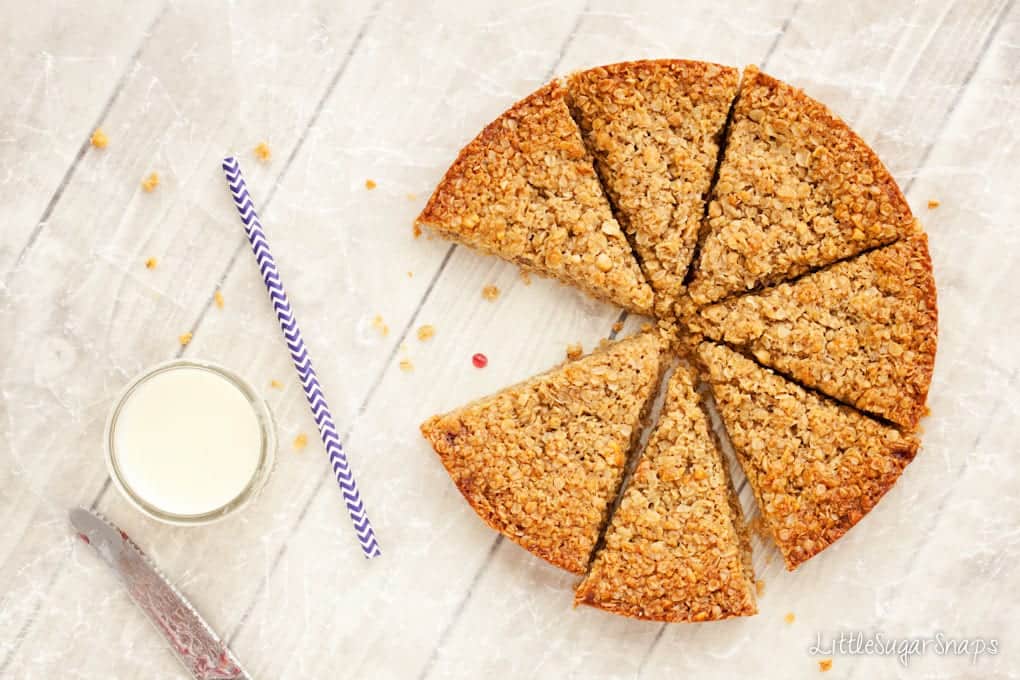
pixel 192 640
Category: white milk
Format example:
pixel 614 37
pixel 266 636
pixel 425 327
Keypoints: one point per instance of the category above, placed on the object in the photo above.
pixel 186 441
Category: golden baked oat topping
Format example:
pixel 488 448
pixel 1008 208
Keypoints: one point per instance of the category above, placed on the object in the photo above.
pixel 654 128
pixel 542 461
pixel 797 190
pixel 862 331
pixel 525 190
pixel 675 549
pixel 816 467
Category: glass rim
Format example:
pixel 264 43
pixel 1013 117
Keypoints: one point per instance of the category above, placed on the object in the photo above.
pixel 267 455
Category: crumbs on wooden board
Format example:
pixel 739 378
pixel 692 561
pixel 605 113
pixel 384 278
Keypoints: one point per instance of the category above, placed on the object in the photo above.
pixel 825 665
pixel 380 325
pixel 150 183
pixel 151 263
pixel 526 277
pixel 99 139
pixel 490 292
pixel 370 184
pixel 759 585
pixel 789 618
pixel 426 332
pixel 932 204
pixel 406 366
pixel 263 153
pixel 416 230
pixel 410 275
pixel 184 338
pixel 218 299
pixel 300 441
pixel 276 384
pixel 574 351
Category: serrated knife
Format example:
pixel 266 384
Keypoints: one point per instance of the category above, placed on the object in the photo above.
pixel 194 643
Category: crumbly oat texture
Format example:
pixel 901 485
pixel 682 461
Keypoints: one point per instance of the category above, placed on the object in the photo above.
pixel 654 128
pixel 676 549
pixel 525 189
pixel 542 461
pixel 863 331
pixel 797 190
pixel 816 467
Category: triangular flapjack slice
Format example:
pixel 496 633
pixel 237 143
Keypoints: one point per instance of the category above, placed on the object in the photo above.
pixel 816 467
pixel 525 190
pixel 797 190
pixel 542 461
pixel 676 548
pixel 654 128
pixel 862 331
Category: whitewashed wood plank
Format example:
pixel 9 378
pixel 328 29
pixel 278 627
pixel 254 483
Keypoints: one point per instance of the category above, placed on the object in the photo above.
pixel 86 311
pixel 58 78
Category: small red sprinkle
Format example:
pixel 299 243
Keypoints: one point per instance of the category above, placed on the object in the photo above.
pixel 480 360
pixel 84 538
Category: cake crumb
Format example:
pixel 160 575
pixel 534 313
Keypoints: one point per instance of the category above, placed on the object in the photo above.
pixel 526 277
pixel 759 587
pixel 825 665
pixel 184 338
pixel 490 292
pixel 380 325
pixel 932 204
pixel 410 275
pixel 263 152
pixel 426 332
pixel 276 384
pixel 218 299
pixel 417 231
pixel 412 197
pixel 618 326
pixel 789 618
pixel 99 139
pixel 300 441
pixel 574 351
pixel 370 184
pixel 151 182
pixel 151 263
pixel 406 366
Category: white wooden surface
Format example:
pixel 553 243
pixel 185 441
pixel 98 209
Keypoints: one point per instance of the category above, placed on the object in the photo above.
pixel 344 92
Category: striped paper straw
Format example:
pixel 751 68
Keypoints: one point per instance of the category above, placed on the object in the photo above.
pixel 299 355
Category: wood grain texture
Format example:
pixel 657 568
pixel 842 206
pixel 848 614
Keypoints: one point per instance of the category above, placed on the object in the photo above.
pixel 390 92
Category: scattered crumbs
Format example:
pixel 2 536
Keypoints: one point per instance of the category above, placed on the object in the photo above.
pixel 370 184
pixel 300 441
pixel 150 263
pixel 406 366
pixel 412 197
pixel 426 332
pixel 932 204
pixel 646 327
pixel 490 292
pixel 759 587
pixel 184 338
pixel 151 182
pixel 263 152
pixel 574 351
pixel 480 360
pixel 99 139
pixel 417 230
pixel 380 325
pixel 218 299
pixel 825 665
pixel 526 277
pixel 789 618
pixel 618 326
pixel 276 384
pixel 410 275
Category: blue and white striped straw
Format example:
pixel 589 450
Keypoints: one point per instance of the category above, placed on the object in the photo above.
pixel 299 355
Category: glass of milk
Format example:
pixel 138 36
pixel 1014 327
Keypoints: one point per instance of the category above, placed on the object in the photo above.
pixel 190 442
